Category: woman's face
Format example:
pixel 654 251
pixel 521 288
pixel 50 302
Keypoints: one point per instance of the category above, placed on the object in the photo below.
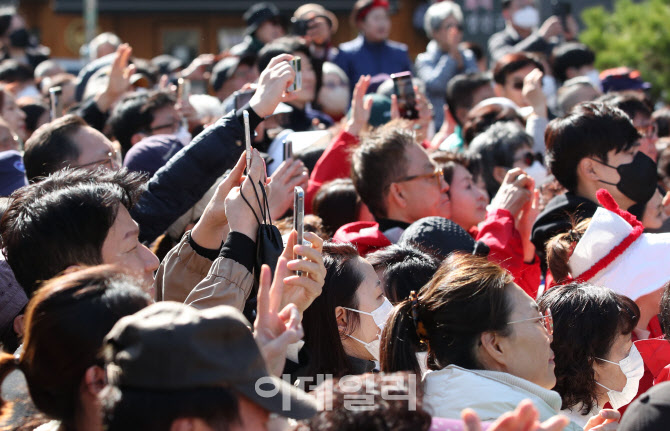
pixel 610 375
pixel 334 96
pixel 14 115
pixel 377 25
pixel 654 214
pixel 370 296
pixel 468 202
pixel 527 350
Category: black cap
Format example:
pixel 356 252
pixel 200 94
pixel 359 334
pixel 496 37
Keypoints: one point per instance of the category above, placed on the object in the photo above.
pixel 258 14
pixel 224 69
pixel 441 237
pixel 650 412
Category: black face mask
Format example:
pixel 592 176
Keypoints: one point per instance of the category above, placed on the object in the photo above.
pixel 19 38
pixel 637 178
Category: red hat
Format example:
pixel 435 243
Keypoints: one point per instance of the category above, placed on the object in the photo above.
pixel 367 8
pixel 365 235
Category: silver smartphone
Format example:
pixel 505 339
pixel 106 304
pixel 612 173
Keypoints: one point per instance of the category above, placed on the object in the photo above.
pixel 183 89
pixel 296 64
pixel 288 149
pixel 299 217
pixel 55 99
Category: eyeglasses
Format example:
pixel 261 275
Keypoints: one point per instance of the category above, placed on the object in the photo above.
pixel 547 321
pixel 648 131
pixel 437 175
pixel 108 162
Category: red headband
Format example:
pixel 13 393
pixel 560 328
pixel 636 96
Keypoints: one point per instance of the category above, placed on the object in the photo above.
pixel 375 3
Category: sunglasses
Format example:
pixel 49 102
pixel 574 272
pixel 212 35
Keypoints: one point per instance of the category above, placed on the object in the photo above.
pixel 527 158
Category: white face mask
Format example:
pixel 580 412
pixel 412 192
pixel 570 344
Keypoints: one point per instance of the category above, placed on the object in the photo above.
pixel 537 172
pixel 633 367
pixel 380 315
pixel 594 77
pixel 527 17
pixel 183 135
pixel 372 346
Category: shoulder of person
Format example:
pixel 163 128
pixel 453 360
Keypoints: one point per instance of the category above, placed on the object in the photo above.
pixel 397 46
pixel 352 45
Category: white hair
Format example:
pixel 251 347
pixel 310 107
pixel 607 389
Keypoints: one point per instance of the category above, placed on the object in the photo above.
pixel 437 13
pixel 101 39
pixel 206 106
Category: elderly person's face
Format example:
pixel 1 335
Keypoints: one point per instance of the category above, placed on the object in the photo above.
pixel 526 351
pixel 449 34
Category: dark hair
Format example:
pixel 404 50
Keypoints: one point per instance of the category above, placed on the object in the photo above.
pixel 466 297
pixel 587 321
pixel 510 63
pixel 63 221
pixel 151 410
pixel 15 71
pixel 572 54
pixel 496 147
pixel 33 113
pixel 135 113
pixel 477 49
pixel 629 102
pixel 359 7
pixel 559 249
pixel 388 404
pixel 66 322
pixel 461 88
pixel 662 119
pixel 405 268
pixel 482 117
pixel 283 45
pixel 448 161
pixel 337 203
pixel 323 341
pixel 377 162
pixel 51 147
pixel 663 168
pixel 589 130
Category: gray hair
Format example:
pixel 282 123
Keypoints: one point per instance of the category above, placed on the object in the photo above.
pixel 101 39
pixel 437 13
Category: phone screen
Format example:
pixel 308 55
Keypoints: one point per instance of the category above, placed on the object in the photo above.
pixel 404 91
pixel 288 149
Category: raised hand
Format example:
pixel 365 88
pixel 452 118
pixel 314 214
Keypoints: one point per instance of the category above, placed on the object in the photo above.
pixel 272 85
pixel 360 108
pixel 291 173
pixel 119 78
pixel 302 290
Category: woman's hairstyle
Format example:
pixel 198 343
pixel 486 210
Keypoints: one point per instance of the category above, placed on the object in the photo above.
pixel 66 321
pixel 323 341
pixel 405 268
pixel 337 203
pixel 448 161
pixel 388 401
pixel 466 297
pixel 587 321
pixel 560 248
pixel 664 315
pixel 496 147
pixel 481 118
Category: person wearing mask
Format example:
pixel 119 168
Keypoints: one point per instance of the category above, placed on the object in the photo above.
pixel 523 31
pixel 443 58
pixel 343 325
pixel 334 97
pixel 595 146
pixel 60 356
pixel 371 53
pixel 263 26
pixel 488 345
pixel 596 360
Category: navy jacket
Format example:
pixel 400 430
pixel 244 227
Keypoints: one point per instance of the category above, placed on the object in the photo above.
pixel 360 57
pixel 183 181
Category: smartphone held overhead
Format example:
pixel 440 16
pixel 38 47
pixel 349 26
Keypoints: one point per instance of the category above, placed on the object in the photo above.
pixel 299 217
pixel 404 91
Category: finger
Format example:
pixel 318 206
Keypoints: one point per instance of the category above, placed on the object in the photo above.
pixel 365 84
pixel 315 240
pixel 395 111
pixel 278 59
pixel 307 252
pixel 290 243
pixel 527 415
pixel 277 289
pixel 306 266
pixel 263 298
pixel 555 423
pixel 311 287
pixel 512 175
pixel 610 415
pixel 368 104
pixel 470 420
pixel 235 177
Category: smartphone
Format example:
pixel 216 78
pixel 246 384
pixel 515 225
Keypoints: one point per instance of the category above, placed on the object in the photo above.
pixel 296 64
pixel 242 98
pixel 299 27
pixel 288 149
pixel 247 139
pixel 183 89
pixel 404 91
pixel 55 99
pixel 299 217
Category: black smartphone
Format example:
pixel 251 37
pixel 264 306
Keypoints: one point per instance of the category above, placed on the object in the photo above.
pixel 561 9
pixel 299 217
pixel 242 98
pixel 299 27
pixel 404 91
pixel 55 99
pixel 288 149
pixel 296 64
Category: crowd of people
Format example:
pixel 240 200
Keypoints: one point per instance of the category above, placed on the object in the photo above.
pixel 482 244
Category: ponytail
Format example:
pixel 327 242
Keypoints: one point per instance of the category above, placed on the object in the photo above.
pixel 400 341
pixel 559 250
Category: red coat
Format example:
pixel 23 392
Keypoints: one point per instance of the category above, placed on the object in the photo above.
pixel 365 235
pixel 500 234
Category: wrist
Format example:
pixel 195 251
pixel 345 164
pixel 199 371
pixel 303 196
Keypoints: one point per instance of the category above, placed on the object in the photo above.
pixel 249 230
pixel 105 101
pixel 208 235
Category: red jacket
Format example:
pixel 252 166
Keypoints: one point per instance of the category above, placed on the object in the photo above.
pixel 365 235
pixel 334 163
pixel 500 234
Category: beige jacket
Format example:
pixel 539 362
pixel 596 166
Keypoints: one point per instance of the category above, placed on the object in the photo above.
pixel 181 270
pixel 227 283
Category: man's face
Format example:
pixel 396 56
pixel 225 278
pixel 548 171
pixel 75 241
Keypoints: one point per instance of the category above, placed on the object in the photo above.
pixel 647 129
pixel 122 247
pixel 166 121
pixel 609 173
pixel 269 31
pixel 425 195
pixel 94 149
pixel 514 85
pixel 244 74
